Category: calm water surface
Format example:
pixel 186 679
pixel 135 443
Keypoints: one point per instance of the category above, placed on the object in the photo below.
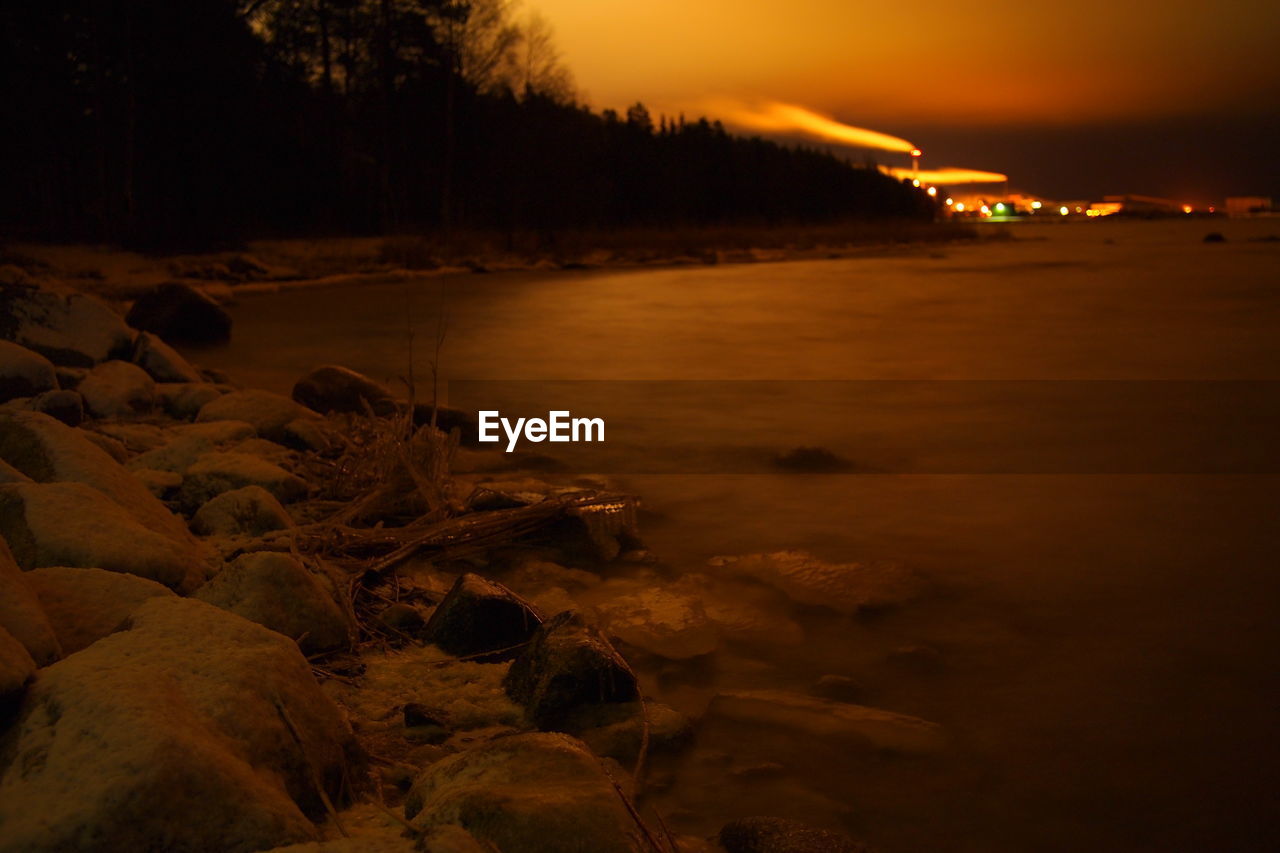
pixel 1108 644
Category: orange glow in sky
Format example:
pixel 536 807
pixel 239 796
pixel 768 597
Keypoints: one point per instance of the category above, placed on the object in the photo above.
pixel 929 61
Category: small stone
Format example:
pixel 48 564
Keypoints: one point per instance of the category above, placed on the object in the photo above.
pixel 64 406
pixel 269 413
pixel 183 400
pixel 24 373
pixel 480 616
pixel 248 511
pixel 338 389
pixel 118 389
pixel 839 688
pixel 217 472
pixel 567 666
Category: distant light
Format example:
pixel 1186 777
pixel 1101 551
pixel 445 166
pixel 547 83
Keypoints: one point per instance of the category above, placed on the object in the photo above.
pixel 1000 208
pixel 952 201
pixel 916 152
pixel 1063 210
pixel 1035 205
pixel 1212 209
pixel 1186 208
pixel 986 209
pixel 933 191
pixel 916 182
pixel 1079 210
pixel 960 207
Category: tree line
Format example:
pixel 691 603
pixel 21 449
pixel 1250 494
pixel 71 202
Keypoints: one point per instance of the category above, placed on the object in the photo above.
pixel 154 122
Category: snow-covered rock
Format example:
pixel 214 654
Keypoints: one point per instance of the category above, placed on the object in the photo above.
pixel 72 329
pixel 24 373
pixel 118 389
pixel 85 605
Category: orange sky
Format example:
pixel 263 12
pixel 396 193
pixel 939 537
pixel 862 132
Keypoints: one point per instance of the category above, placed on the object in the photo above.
pixel 929 61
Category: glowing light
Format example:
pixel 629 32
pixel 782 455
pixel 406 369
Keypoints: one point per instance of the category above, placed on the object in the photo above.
pixel 916 152
pixel 916 182
pixel 779 117
pixel 952 201
pixel 1035 205
pixel 960 207
pixel 1186 208
pixel 985 209
pixel 999 208
pixel 1079 209
pixel 933 191
pixel 1063 210
pixel 947 177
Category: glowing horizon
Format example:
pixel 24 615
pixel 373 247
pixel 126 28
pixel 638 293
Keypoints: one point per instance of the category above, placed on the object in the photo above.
pixel 778 117
pixel 946 176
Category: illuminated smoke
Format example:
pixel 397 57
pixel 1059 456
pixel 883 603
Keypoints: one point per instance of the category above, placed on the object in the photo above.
pixel 775 117
pixel 948 176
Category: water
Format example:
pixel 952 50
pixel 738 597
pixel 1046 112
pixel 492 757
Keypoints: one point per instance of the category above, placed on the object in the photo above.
pixel 1108 643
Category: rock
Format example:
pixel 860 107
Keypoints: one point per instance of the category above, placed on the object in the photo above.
pixel 403 619
pixel 744 613
pixel 844 587
pixel 616 731
pixel 666 624
pixel 113 447
pixel 46 450
pixel 189 730
pixel 278 592
pixel 250 511
pixel 308 434
pixel 180 314
pixel 597 533
pixel 188 443
pixel 162 484
pixel 85 605
pixel 161 361
pixel 479 616
pixel 73 329
pixel 217 472
pixel 447 420
pixel 64 406
pixel 1215 237
pixel 72 524
pixel 9 474
pixel 21 614
pixel 812 460
pixel 337 389
pixel 780 835
pixel 24 373
pixel 850 727
pixel 16 671
pixel 183 400
pixel 269 413
pixel 118 389
pixel 136 437
pixel 70 377
pixel 568 665
pixel 535 793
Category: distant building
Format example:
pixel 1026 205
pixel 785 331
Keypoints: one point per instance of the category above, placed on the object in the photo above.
pixel 1248 205
pixel 1145 204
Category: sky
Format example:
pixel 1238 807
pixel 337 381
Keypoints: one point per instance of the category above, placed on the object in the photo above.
pixel 1070 98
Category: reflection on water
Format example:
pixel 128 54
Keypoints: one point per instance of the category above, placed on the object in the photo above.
pixel 1106 650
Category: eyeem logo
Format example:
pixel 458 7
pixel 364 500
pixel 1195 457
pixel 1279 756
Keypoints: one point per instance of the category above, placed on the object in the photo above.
pixel 559 426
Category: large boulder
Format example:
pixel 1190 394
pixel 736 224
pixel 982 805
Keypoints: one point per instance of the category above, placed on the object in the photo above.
pixel 161 361
pixel 535 793
pixel 46 451
pixel 190 730
pixel 179 313
pixel 780 835
pixel 337 389
pixel 21 613
pixel 270 414
pixel 844 587
pixel 250 511
pixel 215 473
pixel 24 373
pixel 278 592
pixel 662 623
pixel 67 328
pixel 118 389
pixel 72 524
pixel 480 616
pixel 85 605
pixel 16 669
pixel 568 665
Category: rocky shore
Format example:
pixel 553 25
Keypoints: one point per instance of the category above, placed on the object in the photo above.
pixel 232 620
